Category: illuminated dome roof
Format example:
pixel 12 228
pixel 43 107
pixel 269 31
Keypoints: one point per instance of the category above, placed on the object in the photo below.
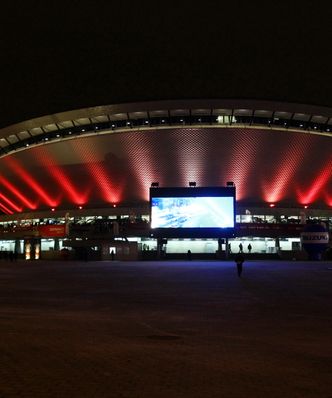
pixel 102 156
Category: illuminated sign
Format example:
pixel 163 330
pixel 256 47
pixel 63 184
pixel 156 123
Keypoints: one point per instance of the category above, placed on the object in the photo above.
pixel 192 212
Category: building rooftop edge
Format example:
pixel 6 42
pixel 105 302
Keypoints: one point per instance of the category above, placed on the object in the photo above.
pixel 169 105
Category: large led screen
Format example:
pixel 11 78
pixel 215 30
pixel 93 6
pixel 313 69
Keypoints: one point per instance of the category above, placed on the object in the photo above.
pixel 192 212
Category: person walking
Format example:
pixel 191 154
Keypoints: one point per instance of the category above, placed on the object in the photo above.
pixel 239 260
pixel 240 248
pixel 249 248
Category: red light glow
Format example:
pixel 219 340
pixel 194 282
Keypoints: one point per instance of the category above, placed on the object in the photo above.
pixel 10 203
pixel 17 193
pixel 63 181
pixel 267 166
pixel 27 178
pixel 61 178
pixel 275 187
pixel 317 186
pixel 5 209
pixel 328 199
pixel 108 191
pixel 98 170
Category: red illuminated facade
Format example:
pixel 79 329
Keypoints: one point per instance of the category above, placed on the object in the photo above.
pixel 107 157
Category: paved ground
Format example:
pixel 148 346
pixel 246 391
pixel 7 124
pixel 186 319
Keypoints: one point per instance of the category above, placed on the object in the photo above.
pixel 165 329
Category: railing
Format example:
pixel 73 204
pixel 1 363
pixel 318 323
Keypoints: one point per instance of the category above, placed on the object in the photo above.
pixel 138 229
pixel 171 121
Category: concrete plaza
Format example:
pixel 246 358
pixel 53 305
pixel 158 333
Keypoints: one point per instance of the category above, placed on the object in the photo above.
pixel 165 329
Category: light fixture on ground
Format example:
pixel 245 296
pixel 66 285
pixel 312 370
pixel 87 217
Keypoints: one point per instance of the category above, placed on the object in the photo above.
pixel 230 184
pixel 155 184
pixel 192 183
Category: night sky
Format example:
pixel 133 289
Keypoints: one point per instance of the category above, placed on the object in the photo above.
pixel 68 55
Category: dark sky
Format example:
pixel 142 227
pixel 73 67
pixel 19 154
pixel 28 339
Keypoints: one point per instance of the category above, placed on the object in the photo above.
pixel 58 56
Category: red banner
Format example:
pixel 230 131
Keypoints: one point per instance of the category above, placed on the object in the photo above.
pixel 52 231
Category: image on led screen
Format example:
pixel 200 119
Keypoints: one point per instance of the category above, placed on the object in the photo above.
pixel 192 212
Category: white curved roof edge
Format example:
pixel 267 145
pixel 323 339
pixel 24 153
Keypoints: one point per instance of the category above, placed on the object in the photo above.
pixel 125 108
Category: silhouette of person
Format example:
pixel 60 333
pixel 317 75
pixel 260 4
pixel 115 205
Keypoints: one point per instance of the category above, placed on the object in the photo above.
pixel 249 248
pixel 112 255
pixel 189 254
pixel 239 260
pixel 240 248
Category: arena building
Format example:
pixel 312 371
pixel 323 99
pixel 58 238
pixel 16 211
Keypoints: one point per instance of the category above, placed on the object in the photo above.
pixel 80 179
